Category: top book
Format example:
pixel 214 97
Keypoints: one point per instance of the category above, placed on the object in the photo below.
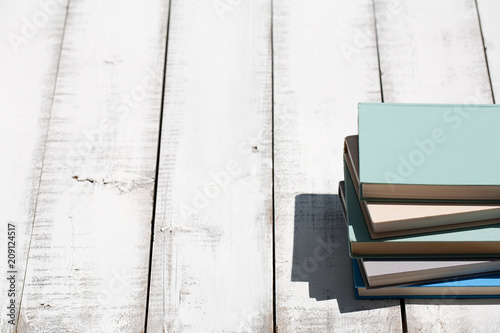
pixel 429 152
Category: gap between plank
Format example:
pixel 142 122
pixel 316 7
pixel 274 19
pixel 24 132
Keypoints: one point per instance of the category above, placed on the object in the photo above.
pixel 484 50
pixel 56 76
pixel 158 150
pixel 275 329
pixel 403 315
pixel 378 52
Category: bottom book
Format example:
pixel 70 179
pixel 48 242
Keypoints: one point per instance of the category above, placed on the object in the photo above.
pixel 486 286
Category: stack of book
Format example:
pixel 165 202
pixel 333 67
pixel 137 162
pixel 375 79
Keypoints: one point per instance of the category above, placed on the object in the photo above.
pixel 421 197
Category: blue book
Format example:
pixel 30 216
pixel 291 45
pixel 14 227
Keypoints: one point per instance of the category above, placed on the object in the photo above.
pixel 429 152
pixel 487 286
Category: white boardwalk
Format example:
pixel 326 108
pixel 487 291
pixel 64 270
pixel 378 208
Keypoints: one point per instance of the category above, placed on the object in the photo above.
pixel 172 166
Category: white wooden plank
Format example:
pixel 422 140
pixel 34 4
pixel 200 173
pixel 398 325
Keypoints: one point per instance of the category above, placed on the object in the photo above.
pixel 431 51
pixel 212 266
pixel 30 42
pixel 89 254
pixel 490 25
pixel 325 62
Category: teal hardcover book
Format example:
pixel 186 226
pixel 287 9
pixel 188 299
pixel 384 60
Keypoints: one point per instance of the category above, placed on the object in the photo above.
pixel 487 286
pixel 483 241
pixel 389 219
pixel 429 152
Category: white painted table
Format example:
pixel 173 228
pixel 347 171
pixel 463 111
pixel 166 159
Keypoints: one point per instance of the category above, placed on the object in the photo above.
pixel 173 165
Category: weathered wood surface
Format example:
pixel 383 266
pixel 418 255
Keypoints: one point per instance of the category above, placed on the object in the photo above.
pixel 29 49
pixel 89 256
pixel 431 51
pixel 325 62
pixel 212 267
pixel 86 130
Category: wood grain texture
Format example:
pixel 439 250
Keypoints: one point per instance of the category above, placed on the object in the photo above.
pixel 431 51
pixel 325 62
pixel 29 49
pixel 490 26
pixel 89 254
pixel 212 256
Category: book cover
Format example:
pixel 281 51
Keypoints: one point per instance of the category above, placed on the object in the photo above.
pixel 388 219
pixel 386 272
pixel 483 241
pixel 381 273
pixel 487 286
pixel 429 152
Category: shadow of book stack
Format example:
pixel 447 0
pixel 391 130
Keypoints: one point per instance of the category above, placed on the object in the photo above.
pixel 421 198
